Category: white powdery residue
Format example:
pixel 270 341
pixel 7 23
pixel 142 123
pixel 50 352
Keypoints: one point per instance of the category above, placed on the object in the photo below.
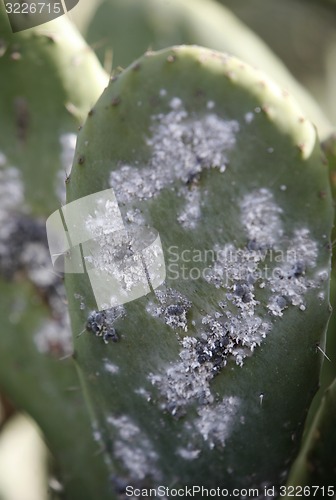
pixel 249 117
pixel 181 147
pixel 142 392
pixel 277 304
pixel 110 367
pixel 191 212
pixel 133 448
pixel 68 146
pixel 172 307
pixel 185 381
pixel 224 336
pixel 11 191
pixel 260 217
pixel 134 216
pixel 54 337
pixel 210 104
pixel 215 422
pixel 104 222
pixel 96 432
pixel 113 250
pixel 235 271
pixel 246 331
pixel 80 297
pixel 188 453
pixel 288 282
pixel 175 103
pixel 36 259
pixel 234 266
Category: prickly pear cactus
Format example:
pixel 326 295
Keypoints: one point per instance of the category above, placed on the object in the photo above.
pixel 315 464
pixel 49 80
pixel 157 24
pixel 207 379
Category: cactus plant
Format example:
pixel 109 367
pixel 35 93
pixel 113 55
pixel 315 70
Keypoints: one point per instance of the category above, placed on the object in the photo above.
pixel 315 465
pixel 129 27
pixel 212 374
pixel 43 100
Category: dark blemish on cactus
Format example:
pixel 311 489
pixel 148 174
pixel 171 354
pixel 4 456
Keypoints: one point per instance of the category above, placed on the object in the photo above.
pixel 101 323
pixel 193 178
pixel 81 160
pixel 22 118
pixel 172 308
pixel 116 101
pixel 96 324
pixel 299 269
pixel 199 93
pixel 91 112
pixel 136 67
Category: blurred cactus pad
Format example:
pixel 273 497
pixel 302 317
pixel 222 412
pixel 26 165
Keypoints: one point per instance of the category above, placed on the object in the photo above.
pixel 207 379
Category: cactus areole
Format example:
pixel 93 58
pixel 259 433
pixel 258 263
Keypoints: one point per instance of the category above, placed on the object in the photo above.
pixel 207 377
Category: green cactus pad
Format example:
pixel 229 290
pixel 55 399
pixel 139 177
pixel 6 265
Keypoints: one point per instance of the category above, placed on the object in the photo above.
pixel 315 465
pixel 207 379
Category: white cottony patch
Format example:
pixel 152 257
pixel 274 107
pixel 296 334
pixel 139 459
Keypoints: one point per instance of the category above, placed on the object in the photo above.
pixel 54 337
pixel 260 216
pixel 191 213
pixel 188 453
pixel 124 261
pixel 110 367
pixel 80 297
pixel 142 392
pixel 172 307
pixel 249 117
pixel 240 326
pixel 215 422
pixel 181 147
pixel 133 448
pixel 288 282
pixel 175 103
pixel 134 216
pixel 68 146
pixel 11 201
pixel 36 259
pixel 11 190
pixel 186 380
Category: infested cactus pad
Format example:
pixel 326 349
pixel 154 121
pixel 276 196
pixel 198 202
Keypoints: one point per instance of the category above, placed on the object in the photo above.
pixel 214 370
